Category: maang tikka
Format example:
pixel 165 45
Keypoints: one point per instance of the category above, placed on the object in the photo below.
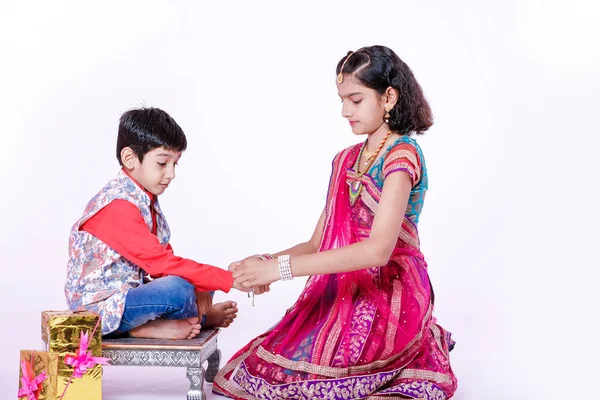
pixel 340 77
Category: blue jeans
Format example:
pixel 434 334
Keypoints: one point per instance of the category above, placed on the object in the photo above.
pixel 171 297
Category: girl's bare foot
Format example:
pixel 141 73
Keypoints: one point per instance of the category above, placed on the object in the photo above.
pixel 168 329
pixel 221 315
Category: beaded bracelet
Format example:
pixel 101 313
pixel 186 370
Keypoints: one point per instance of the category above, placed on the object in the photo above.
pixel 285 268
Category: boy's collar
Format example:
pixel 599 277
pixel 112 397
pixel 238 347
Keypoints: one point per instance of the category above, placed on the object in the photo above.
pixel 152 197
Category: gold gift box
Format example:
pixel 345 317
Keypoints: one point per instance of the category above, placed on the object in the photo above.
pixel 61 331
pixel 39 362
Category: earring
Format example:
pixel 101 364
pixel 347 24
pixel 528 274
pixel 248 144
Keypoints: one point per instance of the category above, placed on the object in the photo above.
pixel 387 116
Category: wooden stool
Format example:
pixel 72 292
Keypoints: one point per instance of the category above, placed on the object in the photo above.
pixel 189 353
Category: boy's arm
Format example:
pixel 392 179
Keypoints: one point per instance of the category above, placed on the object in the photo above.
pixel 121 226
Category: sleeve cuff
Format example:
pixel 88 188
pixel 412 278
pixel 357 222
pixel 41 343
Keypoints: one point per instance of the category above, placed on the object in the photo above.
pixel 223 280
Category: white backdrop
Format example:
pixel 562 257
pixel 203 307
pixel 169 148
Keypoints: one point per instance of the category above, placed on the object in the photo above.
pixel 509 225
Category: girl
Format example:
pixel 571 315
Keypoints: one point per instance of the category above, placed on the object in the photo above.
pixel 363 326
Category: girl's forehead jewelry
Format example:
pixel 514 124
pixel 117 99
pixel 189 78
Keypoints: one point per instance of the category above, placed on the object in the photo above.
pixel 340 77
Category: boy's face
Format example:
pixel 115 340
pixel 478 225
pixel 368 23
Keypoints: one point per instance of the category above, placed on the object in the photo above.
pixel 156 171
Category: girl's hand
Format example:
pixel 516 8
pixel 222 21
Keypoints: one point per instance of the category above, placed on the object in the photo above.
pixel 254 272
pixel 234 264
pixel 260 289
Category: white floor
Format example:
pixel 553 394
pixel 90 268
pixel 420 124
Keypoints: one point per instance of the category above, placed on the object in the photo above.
pixel 133 383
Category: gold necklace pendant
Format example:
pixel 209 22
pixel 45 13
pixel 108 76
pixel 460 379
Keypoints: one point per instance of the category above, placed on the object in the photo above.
pixel 355 185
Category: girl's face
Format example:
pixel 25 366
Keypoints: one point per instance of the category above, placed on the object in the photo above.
pixel 363 107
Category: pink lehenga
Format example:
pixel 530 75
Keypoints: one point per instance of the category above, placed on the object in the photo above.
pixel 366 334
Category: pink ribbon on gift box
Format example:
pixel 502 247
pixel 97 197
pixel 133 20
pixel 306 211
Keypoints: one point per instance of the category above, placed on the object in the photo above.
pixel 30 387
pixel 83 359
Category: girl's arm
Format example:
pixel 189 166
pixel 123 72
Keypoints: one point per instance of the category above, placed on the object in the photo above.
pixel 372 252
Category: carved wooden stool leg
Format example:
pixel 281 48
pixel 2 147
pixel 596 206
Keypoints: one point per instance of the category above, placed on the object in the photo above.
pixel 214 362
pixel 196 377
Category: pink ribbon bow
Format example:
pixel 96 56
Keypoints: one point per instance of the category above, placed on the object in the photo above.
pixel 83 359
pixel 30 387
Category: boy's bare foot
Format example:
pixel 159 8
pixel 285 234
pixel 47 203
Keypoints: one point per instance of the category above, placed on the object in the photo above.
pixel 168 329
pixel 221 315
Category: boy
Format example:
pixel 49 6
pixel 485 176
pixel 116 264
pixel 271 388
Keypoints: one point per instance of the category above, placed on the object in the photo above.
pixel 123 238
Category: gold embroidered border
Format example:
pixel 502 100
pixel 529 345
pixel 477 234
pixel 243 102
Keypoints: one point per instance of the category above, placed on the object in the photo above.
pixel 437 335
pixel 407 154
pixel 436 377
pixel 369 201
pixel 329 340
pixel 392 326
pixel 233 364
pixel 353 386
pixel 331 372
pixel 420 296
pixel 407 238
pixel 412 390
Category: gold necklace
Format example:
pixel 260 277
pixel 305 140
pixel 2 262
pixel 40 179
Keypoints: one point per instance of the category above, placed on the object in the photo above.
pixel 355 184
pixel 368 154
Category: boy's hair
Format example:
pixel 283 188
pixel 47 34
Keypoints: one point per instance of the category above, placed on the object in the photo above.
pixel 378 67
pixel 145 129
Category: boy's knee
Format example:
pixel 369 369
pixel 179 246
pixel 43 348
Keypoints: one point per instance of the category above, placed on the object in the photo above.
pixel 182 295
pixel 179 289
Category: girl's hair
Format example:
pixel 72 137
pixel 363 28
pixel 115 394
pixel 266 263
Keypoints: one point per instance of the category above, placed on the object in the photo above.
pixel 378 67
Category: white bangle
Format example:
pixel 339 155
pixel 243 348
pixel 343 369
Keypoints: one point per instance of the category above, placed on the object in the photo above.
pixel 285 268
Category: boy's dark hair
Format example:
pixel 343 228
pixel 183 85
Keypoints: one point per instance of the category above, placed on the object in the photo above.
pixel 378 67
pixel 145 129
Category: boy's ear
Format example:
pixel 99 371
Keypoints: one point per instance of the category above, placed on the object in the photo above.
pixel 128 157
